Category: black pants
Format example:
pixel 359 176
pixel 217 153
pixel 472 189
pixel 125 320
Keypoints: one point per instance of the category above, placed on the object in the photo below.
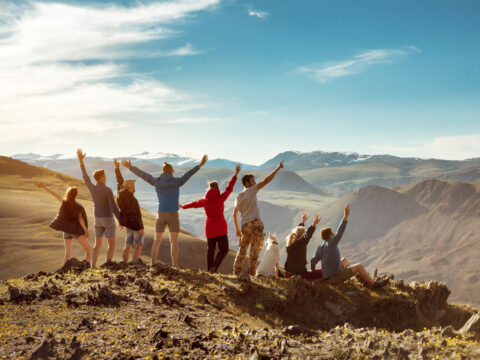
pixel 222 241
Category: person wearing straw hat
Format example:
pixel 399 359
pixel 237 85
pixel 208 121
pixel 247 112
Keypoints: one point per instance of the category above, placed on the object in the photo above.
pixel 130 215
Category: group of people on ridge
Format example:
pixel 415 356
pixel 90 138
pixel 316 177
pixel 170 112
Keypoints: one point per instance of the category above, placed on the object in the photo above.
pixel 72 221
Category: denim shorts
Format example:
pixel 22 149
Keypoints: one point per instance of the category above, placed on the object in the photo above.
pixel 133 238
pixel 105 226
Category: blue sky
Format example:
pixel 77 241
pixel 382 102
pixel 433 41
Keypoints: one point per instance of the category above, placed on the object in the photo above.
pixel 240 79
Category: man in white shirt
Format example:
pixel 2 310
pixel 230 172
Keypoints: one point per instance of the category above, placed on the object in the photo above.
pixel 251 232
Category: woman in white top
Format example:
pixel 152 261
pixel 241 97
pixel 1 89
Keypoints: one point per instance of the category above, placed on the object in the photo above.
pixel 269 264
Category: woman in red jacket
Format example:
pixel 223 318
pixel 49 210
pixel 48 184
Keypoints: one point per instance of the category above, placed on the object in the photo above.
pixel 216 229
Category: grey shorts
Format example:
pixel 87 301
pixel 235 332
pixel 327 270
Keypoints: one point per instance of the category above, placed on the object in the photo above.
pixel 167 218
pixel 105 227
pixel 342 276
pixel 133 238
pixel 69 236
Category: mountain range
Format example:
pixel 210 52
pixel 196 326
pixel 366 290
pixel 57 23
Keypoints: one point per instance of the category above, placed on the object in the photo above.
pixel 337 172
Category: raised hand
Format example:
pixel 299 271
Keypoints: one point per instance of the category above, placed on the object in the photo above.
pixel 80 155
pixel 316 220
pixel 238 167
pixel 304 217
pixel 127 164
pixel 117 164
pixel 280 165
pixel 346 211
pixel 38 186
pixel 204 160
pixel 180 206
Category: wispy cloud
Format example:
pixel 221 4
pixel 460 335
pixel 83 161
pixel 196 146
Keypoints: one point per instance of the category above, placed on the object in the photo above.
pixel 258 13
pixel 359 63
pixel 186 50
pixel 65 67
pixel 456 147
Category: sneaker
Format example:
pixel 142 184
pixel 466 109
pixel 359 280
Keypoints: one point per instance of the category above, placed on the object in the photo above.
pixel 380 283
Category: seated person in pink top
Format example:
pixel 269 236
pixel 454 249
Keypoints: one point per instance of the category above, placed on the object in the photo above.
pixel 216 229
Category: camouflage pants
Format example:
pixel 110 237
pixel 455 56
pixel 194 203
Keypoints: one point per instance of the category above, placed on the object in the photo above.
pixel 253 236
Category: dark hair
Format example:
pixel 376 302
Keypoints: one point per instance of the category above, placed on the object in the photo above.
pixel 213 185
pixel 326 233
pixel 98 174
pixel 246 179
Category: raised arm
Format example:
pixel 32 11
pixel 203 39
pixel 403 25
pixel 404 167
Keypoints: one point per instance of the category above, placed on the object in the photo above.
pixel 118 174
pixel 235 220
pixel 194 204
pixel 270 176
pixel 224 196
pixel 51 192
pixel 185 177
pixel 140 173
pixel 341 229
pixel 311 229
pixel 86 178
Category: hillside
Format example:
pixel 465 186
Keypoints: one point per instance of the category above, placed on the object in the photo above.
pixel 134 311
pixel 427 230
pixel 26 212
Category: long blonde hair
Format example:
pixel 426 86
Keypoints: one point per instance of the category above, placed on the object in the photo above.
pixel 294 235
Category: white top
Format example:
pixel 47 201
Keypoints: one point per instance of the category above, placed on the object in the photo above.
pixel 270 257
pixel 246 203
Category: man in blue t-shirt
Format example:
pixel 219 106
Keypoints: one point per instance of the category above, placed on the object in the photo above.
pixel 167 187
pixel 333 268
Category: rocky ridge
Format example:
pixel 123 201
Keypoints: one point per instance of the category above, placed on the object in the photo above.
pixel 133 311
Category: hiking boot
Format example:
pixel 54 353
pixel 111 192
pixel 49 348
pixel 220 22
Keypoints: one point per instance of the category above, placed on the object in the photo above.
pixel 380 283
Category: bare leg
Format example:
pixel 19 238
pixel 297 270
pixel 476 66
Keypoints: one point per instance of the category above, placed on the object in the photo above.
pixel 345 263
pixel 126 252
pixel 137 252
pixel 96 250
pixel 156 246
pixel 111 249
pixel 68 250
pixel 358 268
pixel 174 248
pixel 83 241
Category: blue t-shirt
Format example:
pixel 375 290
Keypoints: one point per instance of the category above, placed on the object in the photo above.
pixel 167 187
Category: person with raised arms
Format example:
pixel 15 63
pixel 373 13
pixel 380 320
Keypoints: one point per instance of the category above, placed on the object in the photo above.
pixel 216 229
pixel 336 271
pixel 130 215
pixel 72 221
pixel 251 233
pixel 297 243
pixel 104 207
pixel 167 187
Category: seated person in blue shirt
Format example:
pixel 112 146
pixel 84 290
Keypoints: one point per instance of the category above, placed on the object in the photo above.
pixel 334 268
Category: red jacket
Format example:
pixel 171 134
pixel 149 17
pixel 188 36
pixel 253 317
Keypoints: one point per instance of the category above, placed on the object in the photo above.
pixel 215 224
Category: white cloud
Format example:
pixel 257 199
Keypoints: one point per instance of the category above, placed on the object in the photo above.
pixel 186 50
pixel 455 147
pixel 359 63
pixel 62 66
pixel 258 13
